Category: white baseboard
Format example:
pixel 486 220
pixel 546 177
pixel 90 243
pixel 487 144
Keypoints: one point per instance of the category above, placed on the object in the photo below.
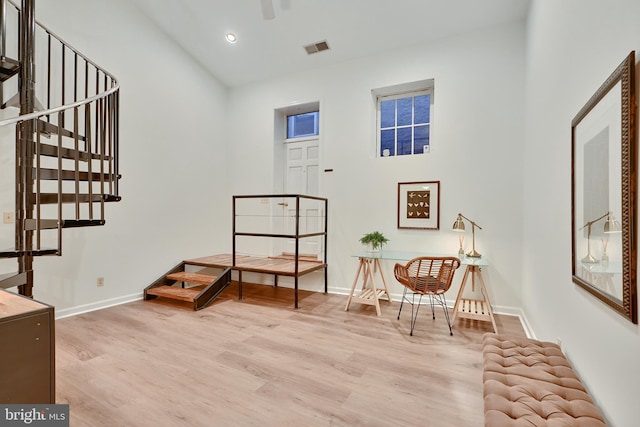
pixel 99 305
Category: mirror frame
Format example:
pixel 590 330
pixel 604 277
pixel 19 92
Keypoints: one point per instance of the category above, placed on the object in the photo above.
pixel 625 75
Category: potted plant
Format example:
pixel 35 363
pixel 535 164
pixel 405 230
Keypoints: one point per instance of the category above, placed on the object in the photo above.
pixel 375 240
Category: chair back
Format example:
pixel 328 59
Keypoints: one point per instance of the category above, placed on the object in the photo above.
pixel 424 275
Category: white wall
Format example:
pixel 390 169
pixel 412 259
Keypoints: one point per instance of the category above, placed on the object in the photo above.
pixel 573 46
pixel 174 203
pixel 476 150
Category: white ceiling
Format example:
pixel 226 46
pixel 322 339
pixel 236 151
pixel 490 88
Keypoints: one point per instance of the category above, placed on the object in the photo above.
pixel 353 28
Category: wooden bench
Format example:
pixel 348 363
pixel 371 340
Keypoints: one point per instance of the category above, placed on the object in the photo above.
pixel 531 383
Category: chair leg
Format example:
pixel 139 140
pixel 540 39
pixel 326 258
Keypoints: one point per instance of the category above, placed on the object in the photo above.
pixel 402 302
pixel 414 317
pixel 443 301
pixel 433 311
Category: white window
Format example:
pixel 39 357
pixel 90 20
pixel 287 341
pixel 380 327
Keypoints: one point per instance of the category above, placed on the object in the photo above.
pixel 303 125
pixel 404 119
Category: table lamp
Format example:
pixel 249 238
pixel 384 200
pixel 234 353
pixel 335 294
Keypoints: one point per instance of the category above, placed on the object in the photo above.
pixel 458 225
pixel 610 226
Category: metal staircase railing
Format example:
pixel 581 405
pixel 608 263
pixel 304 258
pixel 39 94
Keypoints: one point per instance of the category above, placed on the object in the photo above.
pixel 67 145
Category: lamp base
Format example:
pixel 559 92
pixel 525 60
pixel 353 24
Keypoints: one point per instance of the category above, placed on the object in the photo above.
pixel 589 259
pixel 474 254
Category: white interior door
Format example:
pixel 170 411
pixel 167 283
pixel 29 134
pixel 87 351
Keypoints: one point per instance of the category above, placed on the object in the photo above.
pixel 302 176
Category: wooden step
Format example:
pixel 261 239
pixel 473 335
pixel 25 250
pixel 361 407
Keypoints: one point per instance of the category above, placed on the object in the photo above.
pixel 183 276
pixel 177 293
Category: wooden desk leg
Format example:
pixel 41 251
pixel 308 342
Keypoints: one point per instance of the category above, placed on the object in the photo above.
pixel 456 306
pixel 485 295
pixel 355 282
pixel 384 282
pixel 366 273
pixel 367 269
pixel 474 270
pixel 373 288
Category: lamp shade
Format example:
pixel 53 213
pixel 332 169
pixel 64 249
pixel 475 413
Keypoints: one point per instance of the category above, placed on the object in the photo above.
pixel 458 225
pixel 611 225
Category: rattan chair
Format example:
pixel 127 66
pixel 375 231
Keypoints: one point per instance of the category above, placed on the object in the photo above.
pixel 426 276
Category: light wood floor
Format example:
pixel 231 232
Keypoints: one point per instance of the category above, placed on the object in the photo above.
pixel 258 362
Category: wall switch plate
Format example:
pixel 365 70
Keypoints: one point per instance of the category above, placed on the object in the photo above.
pixel 8 217
pixel 100 281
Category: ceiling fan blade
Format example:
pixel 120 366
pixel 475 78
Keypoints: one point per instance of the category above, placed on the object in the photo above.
pixel 268 12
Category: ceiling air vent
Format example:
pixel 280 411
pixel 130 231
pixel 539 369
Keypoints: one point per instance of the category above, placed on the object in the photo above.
pixel 317 47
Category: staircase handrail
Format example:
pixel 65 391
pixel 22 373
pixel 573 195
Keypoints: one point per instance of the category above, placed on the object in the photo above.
pixel 37 114
pixel 74 50
pixel 114 82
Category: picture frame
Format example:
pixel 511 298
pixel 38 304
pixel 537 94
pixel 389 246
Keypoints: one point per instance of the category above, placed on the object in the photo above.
pixel 419 205
pixel 604 193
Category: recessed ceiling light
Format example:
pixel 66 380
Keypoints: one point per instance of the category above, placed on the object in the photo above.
pixel 231 38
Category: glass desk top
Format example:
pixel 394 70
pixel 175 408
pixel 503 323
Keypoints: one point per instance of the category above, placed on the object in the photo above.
pixel 406 256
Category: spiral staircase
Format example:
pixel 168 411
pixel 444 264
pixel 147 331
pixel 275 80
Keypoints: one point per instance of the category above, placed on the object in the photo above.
pixel 64 111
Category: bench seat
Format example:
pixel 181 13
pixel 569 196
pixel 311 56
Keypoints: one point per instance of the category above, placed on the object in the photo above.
pixel 531 383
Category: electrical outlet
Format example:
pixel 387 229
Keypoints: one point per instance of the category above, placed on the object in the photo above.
pixel 100 281
pixel 8 218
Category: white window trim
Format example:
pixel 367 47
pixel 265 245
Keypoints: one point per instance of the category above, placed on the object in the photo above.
pixel 302 139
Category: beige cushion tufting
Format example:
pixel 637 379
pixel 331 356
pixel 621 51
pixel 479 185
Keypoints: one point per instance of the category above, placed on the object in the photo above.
pixel 530 383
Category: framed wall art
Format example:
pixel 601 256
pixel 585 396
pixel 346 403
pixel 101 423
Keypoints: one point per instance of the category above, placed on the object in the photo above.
pixel 419 205
pixel 604 193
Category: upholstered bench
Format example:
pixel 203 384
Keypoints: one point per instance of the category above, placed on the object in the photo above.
pixel 531 383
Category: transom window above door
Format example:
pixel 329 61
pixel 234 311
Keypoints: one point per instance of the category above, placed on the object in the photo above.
pixel 303 125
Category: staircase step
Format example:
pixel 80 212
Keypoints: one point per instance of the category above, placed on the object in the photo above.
pixel 10 280
pixel 70 175
pixel 51 129
pixel 51 198
pixel 48 224
pixel 45 224
pixel 177 293
pixel 12 253
pixel 68 153
pixel 74 223
pixel 183 276
pixel 14 101
pixel 8 68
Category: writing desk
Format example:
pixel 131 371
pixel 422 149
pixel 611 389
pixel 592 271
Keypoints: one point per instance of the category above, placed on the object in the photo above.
pixel 370 294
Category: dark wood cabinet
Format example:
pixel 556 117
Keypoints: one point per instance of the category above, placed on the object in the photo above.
pixel 27 350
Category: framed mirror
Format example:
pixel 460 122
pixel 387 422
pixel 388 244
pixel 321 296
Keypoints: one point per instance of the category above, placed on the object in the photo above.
pixel 604 190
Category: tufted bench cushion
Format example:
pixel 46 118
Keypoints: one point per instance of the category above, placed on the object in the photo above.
pixel 530 383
